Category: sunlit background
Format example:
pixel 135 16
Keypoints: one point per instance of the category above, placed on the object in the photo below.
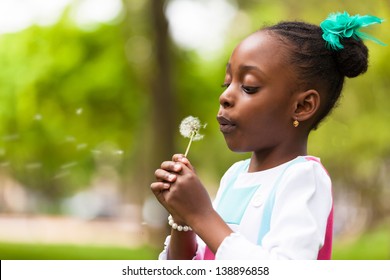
pixel 91 96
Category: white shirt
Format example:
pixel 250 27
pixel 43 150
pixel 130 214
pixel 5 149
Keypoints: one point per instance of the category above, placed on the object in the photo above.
pixel 303 201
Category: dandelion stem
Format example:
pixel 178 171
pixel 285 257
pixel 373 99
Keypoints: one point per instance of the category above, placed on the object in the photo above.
pixel 189 144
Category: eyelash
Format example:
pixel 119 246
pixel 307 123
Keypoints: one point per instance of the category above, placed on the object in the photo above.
pixel 249 90
pixel 246 89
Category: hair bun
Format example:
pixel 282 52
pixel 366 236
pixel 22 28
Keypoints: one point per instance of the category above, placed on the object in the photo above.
pixel 353 58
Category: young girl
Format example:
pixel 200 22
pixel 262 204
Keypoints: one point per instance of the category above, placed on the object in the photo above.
pixel 280 83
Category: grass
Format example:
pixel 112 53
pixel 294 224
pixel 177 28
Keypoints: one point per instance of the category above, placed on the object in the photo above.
pixel 373 245
pixel 27 251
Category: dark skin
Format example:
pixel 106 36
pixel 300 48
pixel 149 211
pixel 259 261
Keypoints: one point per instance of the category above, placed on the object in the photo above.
pixel 257 109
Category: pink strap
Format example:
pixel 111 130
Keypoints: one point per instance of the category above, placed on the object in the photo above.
pixel 325 252
pixel 208 255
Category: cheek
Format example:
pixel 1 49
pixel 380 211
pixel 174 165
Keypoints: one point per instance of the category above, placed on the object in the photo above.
pixel 266 122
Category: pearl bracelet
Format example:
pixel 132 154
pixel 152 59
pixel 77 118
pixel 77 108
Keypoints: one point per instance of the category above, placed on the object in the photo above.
pixel 177 227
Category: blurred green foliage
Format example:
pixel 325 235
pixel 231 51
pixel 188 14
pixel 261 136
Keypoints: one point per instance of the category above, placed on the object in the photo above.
pixel 68 99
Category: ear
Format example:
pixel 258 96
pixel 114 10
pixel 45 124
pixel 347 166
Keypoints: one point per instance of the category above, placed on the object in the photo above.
pixel 306 105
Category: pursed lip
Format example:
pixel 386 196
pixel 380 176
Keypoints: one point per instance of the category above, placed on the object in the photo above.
pixel 225 124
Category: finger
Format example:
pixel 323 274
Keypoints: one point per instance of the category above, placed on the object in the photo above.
pixel 159 186
pixel 177 157
pixel 184 160
pixel 171 166
pixel 163 175
pixel 158 190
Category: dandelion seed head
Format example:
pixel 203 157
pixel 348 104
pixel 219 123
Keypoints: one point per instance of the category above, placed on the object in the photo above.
pixel 190 126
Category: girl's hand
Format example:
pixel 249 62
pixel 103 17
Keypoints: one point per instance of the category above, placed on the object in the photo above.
pixel 169 169
pixel 180 191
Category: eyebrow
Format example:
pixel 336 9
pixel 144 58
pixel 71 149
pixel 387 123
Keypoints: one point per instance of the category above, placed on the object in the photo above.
pixel 247 68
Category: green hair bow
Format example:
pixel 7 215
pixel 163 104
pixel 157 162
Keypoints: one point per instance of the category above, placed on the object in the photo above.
pixel 342 25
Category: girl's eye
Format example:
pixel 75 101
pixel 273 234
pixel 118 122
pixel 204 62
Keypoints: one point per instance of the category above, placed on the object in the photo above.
pixel 225 85
pixel 249 90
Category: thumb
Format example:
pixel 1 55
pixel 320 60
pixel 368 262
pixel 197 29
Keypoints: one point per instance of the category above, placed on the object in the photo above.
pixel 181 158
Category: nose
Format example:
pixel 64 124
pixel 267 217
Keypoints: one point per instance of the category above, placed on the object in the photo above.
pixel 226 99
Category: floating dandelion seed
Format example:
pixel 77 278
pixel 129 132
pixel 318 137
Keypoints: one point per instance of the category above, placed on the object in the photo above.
pixel 69 165
pixel 11 137
pixel 96 152
pixel 4 164
pixel 33 165
pixel 70 138
pixel 61 174
pixel 82 146
pixel 79 111
pixel 38 117
pixel 189 128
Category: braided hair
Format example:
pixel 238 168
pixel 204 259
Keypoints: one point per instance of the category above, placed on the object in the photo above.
pixel 316 66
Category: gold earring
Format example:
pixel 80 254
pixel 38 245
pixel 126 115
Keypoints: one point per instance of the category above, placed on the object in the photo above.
pixel 295 123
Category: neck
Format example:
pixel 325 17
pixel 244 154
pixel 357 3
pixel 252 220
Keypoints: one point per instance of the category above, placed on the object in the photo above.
pixel 269 158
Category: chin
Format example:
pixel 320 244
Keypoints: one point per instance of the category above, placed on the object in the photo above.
pixel 236 148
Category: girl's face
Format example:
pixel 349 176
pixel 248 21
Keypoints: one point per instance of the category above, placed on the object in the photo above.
pixel 257 109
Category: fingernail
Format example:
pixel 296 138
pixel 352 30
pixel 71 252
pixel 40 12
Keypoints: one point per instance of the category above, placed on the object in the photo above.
pixel 171 177
pixel 177 167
